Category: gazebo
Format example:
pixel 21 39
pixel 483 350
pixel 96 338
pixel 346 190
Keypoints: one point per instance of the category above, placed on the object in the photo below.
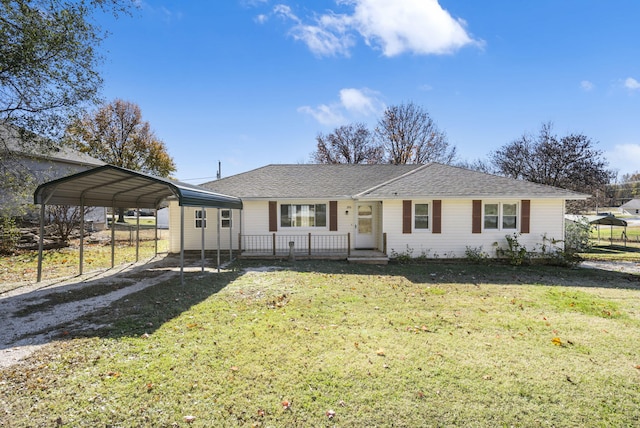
pixel 116 187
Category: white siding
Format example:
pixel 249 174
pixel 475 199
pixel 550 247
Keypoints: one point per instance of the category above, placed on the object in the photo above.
pixel 193 235
pixel 547 218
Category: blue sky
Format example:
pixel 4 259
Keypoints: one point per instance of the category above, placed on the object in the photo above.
pixel 252 82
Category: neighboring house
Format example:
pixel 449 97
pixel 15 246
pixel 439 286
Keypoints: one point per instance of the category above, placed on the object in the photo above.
pixel 44 166
pixel 632 207
pixel 433 210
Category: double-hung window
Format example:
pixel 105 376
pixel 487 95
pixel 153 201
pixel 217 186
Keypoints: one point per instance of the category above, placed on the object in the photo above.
pixel 303 215
pixel 421 216
pixel 201 219
pixel 225 218
pixel 500 216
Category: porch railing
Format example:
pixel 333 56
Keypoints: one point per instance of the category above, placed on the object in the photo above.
pixel 310 244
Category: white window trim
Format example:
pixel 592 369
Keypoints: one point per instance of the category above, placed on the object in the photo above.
pixel 304 228
pixel 203 218
pixel 500 215
pixel 230 218
pixel 413 216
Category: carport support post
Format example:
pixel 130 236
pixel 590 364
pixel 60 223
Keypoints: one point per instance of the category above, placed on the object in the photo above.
pixel 218 240
pixel 137 233
pixel 81 234
pixel 181 244
pixel 41 242
pixel 230 234
pixel 113 236
pixel 202 223
pixel 155 234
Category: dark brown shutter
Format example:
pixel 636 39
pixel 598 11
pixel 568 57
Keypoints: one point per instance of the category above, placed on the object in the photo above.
pixel 273 216
pixel 437 217
pixel 333 216
pixel 525 218
pixel 476 217
pixel 406 216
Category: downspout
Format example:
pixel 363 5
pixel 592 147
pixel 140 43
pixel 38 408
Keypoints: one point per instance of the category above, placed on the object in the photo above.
pixel 218 240
pixel 202 224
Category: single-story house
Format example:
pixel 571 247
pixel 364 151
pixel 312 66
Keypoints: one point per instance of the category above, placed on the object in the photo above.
pixel 431 210
pixel 632 207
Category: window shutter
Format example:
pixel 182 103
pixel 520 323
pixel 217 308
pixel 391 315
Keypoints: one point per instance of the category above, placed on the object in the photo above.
pixel 476 217
pixel 333 216
pixel 406 216
pixel 437 217
pixel 273 216
pixel 525 218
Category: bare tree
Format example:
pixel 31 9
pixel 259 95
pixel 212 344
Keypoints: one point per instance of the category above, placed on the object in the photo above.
pixel 350 144
pixel 409 135
pixel 569 162
pixel 65 219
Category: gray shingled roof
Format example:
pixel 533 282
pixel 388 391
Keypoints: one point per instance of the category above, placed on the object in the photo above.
pixel 378 182
pixel 633 204
pixel 33 148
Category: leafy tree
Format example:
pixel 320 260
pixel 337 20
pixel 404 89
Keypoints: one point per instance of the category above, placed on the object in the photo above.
pixel 48 73
pixel 409 135
pixel 570 162
pixel 116 134
pixel 350 144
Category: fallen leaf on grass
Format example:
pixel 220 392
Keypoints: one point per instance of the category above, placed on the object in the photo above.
pixel 380 352
pixel 234 368
pixel 189 419
pixel 557 341
pixel 330 414
pixel 286 405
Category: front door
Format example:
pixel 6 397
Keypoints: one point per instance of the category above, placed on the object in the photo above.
pixel 365 227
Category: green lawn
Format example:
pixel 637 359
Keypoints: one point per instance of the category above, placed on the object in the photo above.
pixel 333 344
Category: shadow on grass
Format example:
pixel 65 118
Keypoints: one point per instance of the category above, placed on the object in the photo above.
pixel 121 303
pixel 135 313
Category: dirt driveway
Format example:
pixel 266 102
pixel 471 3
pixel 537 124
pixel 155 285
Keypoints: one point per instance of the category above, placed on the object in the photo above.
pixel 33 315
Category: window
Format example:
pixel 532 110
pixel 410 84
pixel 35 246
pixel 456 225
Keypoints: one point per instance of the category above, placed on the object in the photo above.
pixel 500 216
pixel 421 216
pixel 201 219
pixel 303 215
pixel 509 216
pixel 490 216
pixel 225 218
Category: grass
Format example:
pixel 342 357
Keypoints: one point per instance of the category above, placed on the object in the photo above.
pixel 613 253
pixel 64 262
pixel 439 344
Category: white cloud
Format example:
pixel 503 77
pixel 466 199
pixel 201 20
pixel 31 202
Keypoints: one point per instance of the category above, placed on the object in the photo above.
pixel 420 27
pixel 416 26
pixel 631 84
pixel 261 19
pixel 624 158
pixel 354 104
pixel 364 102
pixel 587 85
pixel 326 115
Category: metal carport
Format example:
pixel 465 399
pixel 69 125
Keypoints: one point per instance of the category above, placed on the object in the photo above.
pixel 116 187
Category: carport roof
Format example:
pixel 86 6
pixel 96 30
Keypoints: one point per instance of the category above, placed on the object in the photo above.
pixel 113 186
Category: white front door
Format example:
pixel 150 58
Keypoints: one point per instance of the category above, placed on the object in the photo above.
pixel 365 226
